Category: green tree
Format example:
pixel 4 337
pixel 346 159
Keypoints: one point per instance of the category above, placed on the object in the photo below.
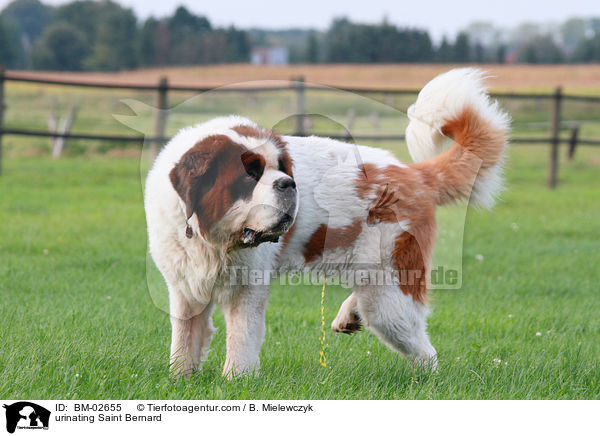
pixel 31 17
pixel 462 50
pixel 237 45
pixel 540 50
pixel 338 41
pixel 11 50
pixel 312 49
pixel 114 45
pixel 588 50
pixel 146 43
pixel 162 44
pixel 501 54
pixel 572 31
pixel 184 23
pixel 84 15
pixel 528 54
pixel 594 24
pixel 349 42
pixel 185 34
pixel 444 52
pixel 478 53
pixel 61 47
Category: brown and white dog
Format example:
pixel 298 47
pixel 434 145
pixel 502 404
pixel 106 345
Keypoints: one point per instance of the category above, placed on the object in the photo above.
pixel 228 193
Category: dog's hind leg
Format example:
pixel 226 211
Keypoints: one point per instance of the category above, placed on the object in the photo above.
pixel 347 320
pixel 398 321
pixel 191 332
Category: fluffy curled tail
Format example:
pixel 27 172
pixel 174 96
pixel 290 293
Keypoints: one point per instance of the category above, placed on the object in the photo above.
pixel 456 105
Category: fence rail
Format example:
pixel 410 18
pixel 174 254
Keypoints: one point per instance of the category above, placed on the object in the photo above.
pixel 299 87
pixel 123 138
pixel 15 77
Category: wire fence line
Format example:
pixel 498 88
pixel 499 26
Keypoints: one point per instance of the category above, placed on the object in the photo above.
pixel 137 139
pixel 14 77
pixel 299 87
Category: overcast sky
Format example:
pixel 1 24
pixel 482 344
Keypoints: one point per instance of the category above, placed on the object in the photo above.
pixel 439 17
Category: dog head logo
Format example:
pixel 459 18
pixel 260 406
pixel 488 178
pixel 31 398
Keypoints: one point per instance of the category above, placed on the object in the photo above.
pixel 26 415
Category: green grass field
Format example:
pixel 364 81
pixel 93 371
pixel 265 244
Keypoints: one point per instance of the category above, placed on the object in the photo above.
pixel 78 321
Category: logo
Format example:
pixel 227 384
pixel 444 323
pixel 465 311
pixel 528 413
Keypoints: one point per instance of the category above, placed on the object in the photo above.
pixel 26 415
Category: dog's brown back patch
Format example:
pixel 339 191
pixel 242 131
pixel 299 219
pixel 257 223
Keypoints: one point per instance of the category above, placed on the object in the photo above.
pixel 400 194
pixel 325 238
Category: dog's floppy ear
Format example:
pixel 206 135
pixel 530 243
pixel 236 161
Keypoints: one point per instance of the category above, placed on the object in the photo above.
pixel 192 177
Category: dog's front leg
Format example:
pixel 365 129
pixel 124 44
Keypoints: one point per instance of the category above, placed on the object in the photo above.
pixel 191 332
pixel 245 319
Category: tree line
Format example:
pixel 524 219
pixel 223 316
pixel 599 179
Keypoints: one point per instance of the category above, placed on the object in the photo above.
pixel 576 40
pixel 103 35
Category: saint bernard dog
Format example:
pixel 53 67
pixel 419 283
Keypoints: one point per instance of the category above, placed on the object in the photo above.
pixel 228 193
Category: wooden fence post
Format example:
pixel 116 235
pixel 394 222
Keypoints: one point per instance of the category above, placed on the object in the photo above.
pixel 1 111
pixel 300 106
pixel 555 138
pixel 573 141
pixel 64 128
pixel 160 119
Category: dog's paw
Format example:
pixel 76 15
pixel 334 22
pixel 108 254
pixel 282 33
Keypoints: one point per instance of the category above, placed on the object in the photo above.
pixel 232 370
pixel 181 367
pixel 347 323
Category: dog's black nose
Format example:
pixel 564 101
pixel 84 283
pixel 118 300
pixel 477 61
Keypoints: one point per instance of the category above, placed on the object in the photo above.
pixel 284 183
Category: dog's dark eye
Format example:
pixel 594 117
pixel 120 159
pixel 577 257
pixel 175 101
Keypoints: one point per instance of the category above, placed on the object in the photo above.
pixel 254 170
pixel 254 165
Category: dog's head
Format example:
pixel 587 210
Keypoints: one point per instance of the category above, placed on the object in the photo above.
pixel 239 185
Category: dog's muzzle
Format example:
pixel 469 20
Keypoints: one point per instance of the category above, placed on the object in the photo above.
pixel 252 238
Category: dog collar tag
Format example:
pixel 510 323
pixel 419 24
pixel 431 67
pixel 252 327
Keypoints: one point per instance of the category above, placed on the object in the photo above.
pixel 189 232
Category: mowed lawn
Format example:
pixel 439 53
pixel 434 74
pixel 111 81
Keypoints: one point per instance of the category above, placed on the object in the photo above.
pixel 77 320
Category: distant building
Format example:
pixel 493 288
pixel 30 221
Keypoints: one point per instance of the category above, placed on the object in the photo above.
pixel 269 56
